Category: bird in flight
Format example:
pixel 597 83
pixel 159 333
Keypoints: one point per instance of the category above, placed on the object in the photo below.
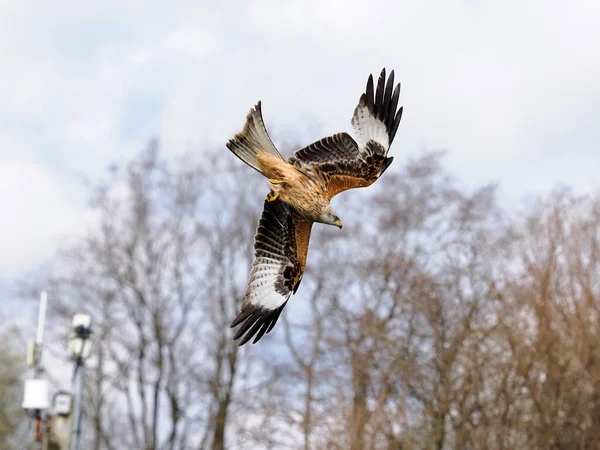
pixel 301 189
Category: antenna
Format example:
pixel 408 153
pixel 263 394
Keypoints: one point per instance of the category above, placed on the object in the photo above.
pixel 39 340
pixel 42 318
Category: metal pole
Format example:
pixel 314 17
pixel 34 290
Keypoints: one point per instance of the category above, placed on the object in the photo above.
pixel 39 338
pixel 78 390
pixel 37 368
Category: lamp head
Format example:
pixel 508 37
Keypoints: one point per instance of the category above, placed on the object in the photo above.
pixel 80 337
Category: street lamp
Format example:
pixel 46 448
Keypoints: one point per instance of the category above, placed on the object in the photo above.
pixel 80 342
pixel 80 346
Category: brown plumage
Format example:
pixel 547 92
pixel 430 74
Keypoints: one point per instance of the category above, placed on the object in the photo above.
pixel 301 189
pixel 293 186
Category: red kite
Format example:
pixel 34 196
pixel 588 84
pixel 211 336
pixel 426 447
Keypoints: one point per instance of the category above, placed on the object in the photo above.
pixel 301 189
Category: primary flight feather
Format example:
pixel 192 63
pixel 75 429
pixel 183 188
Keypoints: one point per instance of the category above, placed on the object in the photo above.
pixel 301 189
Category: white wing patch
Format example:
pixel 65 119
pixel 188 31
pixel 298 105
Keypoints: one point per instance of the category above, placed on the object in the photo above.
pixel 366 127
pixel 261 285
pixel 376 117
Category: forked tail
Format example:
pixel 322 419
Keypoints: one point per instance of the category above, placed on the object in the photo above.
pixel 252 140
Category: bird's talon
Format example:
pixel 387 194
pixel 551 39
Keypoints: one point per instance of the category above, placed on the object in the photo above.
pixel 272 196
pixel 274 181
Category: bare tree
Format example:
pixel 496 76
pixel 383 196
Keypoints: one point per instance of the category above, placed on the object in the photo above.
pixel 160 275
pixel 15 427
pixel 553 306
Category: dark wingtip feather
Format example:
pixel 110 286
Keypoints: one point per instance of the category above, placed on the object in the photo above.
pixel 381 80
pixel 246 325
pixel 393 106
pixel 275 318
pixel 369 93
pixel 395 124
pixel 241 317
pixel 261 332
pixel 257 322
pixel 385 165
pixel 255 328
pixel 379 95
pixel 363 100
pixel 387 100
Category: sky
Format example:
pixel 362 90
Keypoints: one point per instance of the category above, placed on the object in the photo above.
pixel 509 89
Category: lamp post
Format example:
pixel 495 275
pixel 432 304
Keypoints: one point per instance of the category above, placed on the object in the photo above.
pixel 80 346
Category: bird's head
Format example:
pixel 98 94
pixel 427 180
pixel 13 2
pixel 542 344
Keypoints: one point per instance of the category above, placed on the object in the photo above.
pixel 331 218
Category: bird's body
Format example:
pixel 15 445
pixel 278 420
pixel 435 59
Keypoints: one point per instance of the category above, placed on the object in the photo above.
pixel 301 190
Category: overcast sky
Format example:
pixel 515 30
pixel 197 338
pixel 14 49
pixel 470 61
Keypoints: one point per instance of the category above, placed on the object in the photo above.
pixel 510 89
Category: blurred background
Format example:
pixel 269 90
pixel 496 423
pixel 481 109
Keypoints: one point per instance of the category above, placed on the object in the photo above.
pixel 457 309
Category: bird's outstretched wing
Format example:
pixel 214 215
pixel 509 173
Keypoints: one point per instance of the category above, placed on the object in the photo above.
pixel 280 248
pixel 345 163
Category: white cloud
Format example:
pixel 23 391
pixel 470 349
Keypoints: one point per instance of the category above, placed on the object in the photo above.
pixel 36 214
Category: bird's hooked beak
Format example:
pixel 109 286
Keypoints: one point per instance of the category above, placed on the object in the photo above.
pixel 338 223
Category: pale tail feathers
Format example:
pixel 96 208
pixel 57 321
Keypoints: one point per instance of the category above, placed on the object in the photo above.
pixel 253 140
